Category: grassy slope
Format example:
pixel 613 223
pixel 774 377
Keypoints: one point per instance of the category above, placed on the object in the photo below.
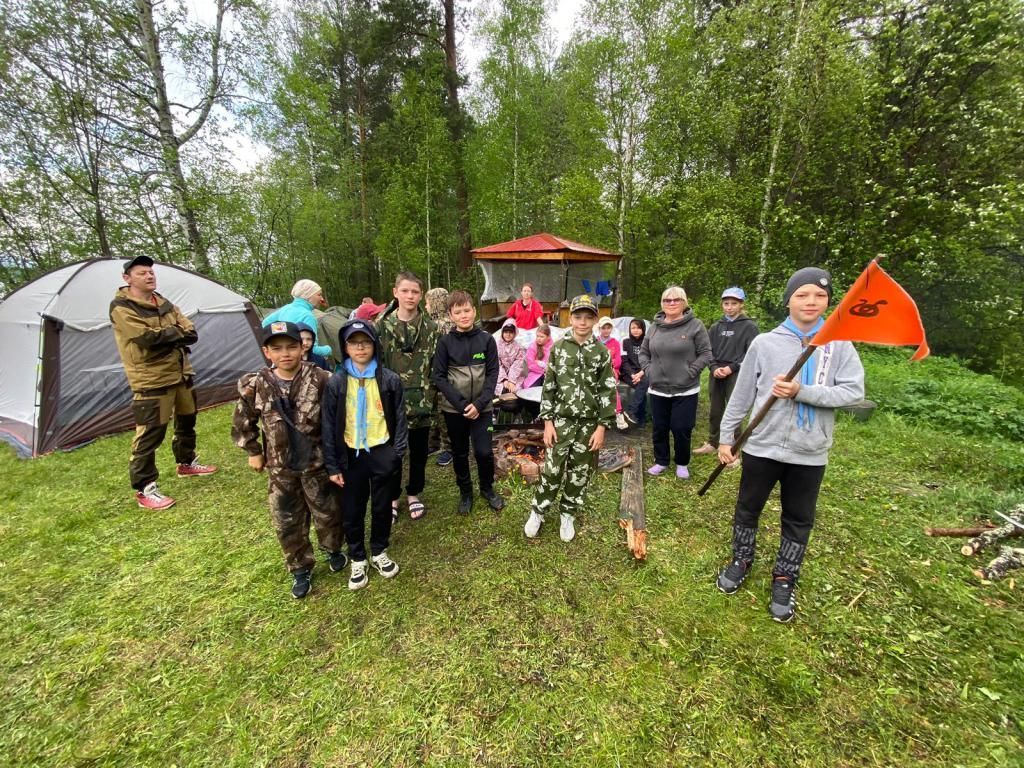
pixel 134 638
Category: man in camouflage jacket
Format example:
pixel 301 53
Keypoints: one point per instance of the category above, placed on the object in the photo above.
pixel 408 338
pixel 288 410
pixel 153 338
pixel 577 406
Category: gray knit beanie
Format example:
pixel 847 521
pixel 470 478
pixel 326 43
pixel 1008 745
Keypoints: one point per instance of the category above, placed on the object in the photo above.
pixel 804 276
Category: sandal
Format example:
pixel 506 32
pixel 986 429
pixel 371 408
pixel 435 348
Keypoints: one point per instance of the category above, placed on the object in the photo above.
pixel 394 512
pixel 416 510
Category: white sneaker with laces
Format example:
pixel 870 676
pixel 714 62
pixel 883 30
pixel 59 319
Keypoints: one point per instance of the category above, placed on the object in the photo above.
pixel 567 530
pixel 620 422
pixel 358 578
pixel 385 566
pixel 533 524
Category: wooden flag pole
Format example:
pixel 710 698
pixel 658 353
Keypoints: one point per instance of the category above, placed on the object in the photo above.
pixel 804 356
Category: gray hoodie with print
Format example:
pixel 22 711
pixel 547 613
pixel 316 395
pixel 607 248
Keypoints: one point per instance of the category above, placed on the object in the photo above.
pixel 839 381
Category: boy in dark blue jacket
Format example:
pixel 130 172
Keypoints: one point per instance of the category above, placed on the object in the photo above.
pixel 466 374
pixel 364 438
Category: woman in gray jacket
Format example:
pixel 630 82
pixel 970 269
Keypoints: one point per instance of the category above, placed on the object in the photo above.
pixel 675 351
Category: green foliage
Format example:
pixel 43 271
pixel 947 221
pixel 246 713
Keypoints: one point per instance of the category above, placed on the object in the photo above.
pixel 942 393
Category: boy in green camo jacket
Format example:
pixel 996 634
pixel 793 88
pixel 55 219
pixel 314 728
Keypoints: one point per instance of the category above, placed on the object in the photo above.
pixel 577 406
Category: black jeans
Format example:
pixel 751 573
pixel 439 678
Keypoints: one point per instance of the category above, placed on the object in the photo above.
pixel 720 390
pixel 460 431
pixel 798 489
pixel 638 401
pixel 419 440
pixel 371 477
pixel 676 416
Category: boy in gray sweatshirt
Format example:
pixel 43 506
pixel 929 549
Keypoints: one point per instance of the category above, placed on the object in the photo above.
pixel 790 446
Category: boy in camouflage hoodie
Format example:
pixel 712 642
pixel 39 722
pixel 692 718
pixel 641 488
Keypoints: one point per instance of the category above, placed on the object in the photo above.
pixel 408 339
pixel 577 406
pixel 285 401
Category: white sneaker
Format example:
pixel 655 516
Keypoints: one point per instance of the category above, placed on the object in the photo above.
pixel 358 578
pixel 533 523
pixel 620 422
pixel 385 566
pixel 567 530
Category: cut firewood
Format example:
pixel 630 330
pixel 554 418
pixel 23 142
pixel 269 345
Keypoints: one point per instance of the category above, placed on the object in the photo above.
pixel 992 536
pixel 1009 559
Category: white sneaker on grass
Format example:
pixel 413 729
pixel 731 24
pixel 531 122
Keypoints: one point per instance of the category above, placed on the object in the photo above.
pixel 385 566
pixel 620 421
pixel 567 530
pixel 533 523
pixel 358 578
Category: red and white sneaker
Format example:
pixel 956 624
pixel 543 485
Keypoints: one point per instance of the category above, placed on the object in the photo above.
pixel 195 468
pixel 151 498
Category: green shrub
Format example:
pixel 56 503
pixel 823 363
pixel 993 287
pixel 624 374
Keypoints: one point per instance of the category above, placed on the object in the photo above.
pixel 943 393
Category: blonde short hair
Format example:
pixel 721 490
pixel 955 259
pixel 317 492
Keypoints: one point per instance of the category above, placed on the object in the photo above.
pixel 674 292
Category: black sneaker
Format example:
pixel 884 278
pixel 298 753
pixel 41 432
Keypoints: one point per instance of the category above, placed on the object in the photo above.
pixel 493 500
pixel 444 458
pixel 466 504
pixel 338 561
pixel 783 605
pixel 303 583
pixel 733 575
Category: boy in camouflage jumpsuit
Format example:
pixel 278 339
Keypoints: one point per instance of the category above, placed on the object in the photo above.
pixel 577 406
pixel 408 338
pixel 286 401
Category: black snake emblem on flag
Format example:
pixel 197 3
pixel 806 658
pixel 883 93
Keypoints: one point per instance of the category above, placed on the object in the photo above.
pixel 864 309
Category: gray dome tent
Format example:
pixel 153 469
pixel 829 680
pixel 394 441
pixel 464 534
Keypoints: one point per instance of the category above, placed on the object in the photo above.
pixel 61 379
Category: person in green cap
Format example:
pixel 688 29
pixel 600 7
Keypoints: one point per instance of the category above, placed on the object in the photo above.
pixel 577 406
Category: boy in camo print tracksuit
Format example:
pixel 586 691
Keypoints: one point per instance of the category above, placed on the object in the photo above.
pixel 577 406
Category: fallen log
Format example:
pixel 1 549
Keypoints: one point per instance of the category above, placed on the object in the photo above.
pixel 961 532
pixel 1009 558
pixel 632 517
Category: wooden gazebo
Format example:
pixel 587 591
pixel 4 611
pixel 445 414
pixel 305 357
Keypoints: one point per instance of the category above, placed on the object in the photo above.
pixel 558 268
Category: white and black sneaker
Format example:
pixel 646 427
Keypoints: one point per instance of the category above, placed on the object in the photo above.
pixel 783 605
pixel 385 566
pixel 733 575
pixel 358 578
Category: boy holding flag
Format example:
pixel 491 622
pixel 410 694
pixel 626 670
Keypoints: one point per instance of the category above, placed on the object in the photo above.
pixel 789 447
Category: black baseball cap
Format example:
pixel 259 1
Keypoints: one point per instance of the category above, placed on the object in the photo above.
pixel 138 261
pixel 281 328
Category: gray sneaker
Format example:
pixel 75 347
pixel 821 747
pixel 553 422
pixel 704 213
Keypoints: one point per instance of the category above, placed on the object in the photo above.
pixel 783 605
pixel 733 575
pixel 567 530
pixel 533 524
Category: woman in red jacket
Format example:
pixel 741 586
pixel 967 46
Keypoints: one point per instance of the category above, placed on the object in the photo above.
pixel 525 312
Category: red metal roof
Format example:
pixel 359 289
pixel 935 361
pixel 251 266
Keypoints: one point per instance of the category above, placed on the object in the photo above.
pixel 540 243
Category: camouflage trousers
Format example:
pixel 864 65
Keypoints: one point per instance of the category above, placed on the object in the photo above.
pixel 296 498
pixel 152 414
pixel 567 466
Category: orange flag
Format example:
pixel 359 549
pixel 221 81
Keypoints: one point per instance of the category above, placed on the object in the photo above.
pixel 876 310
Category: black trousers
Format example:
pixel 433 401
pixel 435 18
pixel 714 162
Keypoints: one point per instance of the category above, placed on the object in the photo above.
pixel 371 477
pixel 676 416
pixel 480 430
pixel 419 441
pixel 798 488
pixel 720 390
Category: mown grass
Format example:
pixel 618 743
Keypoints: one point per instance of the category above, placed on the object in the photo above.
pixel 132 638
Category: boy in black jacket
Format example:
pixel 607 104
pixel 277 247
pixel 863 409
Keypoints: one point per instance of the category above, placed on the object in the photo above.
pixel 466 373
pixel 730 340
pixel 364 438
